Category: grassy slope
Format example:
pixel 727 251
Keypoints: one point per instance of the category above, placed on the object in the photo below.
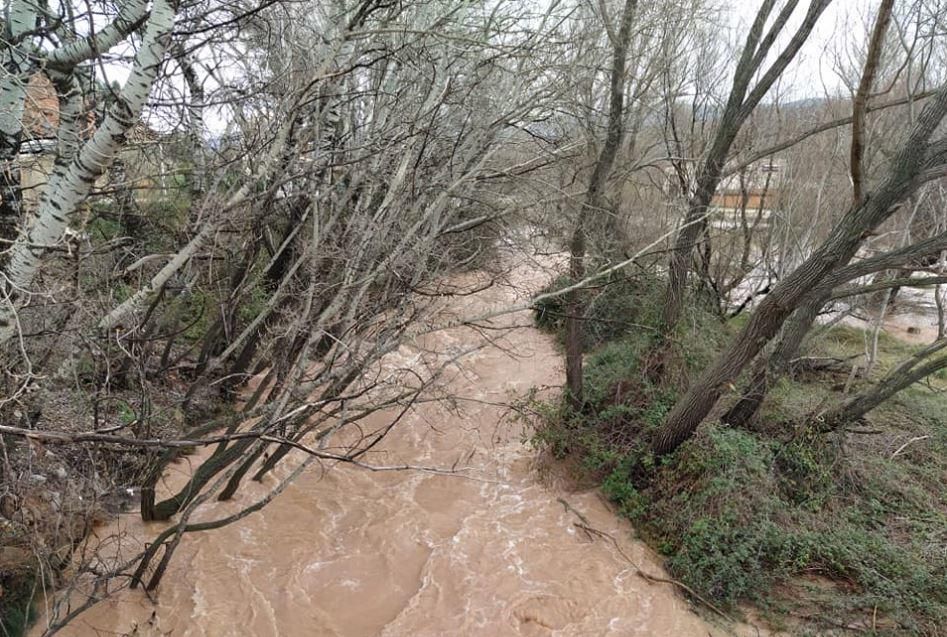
pixel 819 532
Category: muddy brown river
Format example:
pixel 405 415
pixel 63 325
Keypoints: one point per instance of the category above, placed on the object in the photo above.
pixel 353 553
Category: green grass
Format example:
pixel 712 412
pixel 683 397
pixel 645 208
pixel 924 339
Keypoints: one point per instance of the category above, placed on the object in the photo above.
pixel 17 614
pixel 818 531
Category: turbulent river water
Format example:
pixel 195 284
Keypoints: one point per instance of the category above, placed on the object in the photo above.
pixel 348 552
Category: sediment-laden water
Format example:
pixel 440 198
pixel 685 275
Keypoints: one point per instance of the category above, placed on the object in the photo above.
pixel 349 552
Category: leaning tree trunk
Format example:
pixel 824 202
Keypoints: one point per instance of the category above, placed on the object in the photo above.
pixel 593 204
pixel 902 377
pixel 740 105
pixel 771 368
pixel 71 183
pixel 915 157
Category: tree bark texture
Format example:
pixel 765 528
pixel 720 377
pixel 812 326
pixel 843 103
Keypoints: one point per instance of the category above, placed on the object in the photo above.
pixel 71 182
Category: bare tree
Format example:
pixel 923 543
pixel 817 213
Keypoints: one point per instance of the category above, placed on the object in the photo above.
pixel 594 200
pixel 778 361
pixel 913 164
pixel 745 95
pixel 369 152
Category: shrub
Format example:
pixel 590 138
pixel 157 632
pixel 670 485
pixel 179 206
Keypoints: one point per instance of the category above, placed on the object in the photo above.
pixel 615 307
pixel 17 587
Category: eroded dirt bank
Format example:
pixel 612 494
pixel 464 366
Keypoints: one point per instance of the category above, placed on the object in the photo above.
pixel 356 553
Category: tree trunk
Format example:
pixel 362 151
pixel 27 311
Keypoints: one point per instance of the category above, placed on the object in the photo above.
pixel 740 105
pixel 219 461
pixel 11 198
pixel 575 308
pixel 770 369
pixel 690 234
pixel 594 202
pixel 17 68
pixel 860 102
pixel 902 377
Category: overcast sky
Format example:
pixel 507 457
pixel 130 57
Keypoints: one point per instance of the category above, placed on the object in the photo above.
pixel 813 72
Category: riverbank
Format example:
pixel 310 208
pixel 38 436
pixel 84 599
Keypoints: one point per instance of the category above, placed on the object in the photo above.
pixel 490 551
pixel 819 534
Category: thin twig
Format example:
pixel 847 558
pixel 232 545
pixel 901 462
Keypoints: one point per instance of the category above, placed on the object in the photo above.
pixel 590 530
pixel 905 445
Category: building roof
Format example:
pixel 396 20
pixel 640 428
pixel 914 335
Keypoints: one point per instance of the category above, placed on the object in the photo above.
pixel 755 178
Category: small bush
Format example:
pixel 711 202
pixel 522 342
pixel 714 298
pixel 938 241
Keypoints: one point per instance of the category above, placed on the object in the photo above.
pixel 614 307
pixel 712 503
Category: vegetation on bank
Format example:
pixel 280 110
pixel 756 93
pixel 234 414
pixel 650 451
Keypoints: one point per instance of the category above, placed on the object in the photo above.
pixel 822 532
pixel 152 264
pixel 17 588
